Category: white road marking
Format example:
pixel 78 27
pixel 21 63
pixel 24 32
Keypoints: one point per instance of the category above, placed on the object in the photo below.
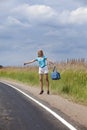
pixel 45 107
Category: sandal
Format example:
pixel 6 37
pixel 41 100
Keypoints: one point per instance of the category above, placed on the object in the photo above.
pixel 48 92
pixel 41 92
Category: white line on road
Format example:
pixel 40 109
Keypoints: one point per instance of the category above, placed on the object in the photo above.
pixel 45 107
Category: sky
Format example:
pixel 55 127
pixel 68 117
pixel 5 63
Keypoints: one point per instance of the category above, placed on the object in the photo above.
pixel 58 27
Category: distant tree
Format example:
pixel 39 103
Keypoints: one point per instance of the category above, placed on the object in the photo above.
pixel 1 66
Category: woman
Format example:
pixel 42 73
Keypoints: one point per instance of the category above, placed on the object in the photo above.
pixel 43 69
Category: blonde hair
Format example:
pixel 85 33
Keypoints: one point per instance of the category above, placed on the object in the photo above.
pixel 40 53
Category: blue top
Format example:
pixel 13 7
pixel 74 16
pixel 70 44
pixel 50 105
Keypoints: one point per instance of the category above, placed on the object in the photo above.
pixel 41 61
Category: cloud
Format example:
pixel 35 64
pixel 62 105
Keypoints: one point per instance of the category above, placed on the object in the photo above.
pixel 78 16
pixel 34 13
pixel 26 15
pixel 11 21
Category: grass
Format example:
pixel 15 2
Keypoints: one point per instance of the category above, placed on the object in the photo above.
pixel 73 82
pixel 73 85
pixel 25 75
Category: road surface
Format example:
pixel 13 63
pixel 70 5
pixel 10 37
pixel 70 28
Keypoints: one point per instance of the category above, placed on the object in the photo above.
pixel 17 112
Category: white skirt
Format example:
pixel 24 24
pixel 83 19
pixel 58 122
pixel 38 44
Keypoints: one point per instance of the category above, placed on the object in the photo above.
pixel 43 70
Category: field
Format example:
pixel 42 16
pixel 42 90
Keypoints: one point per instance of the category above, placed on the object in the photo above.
pixel 72 85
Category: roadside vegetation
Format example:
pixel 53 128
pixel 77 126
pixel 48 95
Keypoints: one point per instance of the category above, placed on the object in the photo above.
pixel 72 85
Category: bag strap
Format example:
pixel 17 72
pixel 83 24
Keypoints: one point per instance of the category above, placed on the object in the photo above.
pixel 54 68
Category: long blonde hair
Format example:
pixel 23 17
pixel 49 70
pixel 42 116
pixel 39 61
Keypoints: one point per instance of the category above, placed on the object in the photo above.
pixel 40 53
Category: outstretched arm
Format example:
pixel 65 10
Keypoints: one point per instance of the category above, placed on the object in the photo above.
pixel 29 62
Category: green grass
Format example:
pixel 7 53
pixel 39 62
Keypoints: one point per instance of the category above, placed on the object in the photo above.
pixel 25 75
pixel 73 83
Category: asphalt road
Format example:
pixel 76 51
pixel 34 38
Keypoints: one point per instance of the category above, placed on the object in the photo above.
pixel 17 112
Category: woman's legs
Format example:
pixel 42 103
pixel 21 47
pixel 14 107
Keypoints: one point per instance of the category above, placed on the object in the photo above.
pixel 41 82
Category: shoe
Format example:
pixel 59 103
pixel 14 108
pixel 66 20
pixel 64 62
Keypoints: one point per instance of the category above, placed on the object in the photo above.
pixel 41 92
pixel 48 92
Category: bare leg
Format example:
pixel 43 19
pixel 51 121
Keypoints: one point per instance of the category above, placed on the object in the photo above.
pixel 47 83
pixel 41 82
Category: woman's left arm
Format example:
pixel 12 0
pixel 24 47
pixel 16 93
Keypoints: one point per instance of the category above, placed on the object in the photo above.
pixel 50 62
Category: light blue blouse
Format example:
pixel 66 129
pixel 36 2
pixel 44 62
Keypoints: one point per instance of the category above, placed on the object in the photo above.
pixel 41 61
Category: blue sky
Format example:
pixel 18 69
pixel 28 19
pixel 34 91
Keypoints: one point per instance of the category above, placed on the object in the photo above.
pixel 59 27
